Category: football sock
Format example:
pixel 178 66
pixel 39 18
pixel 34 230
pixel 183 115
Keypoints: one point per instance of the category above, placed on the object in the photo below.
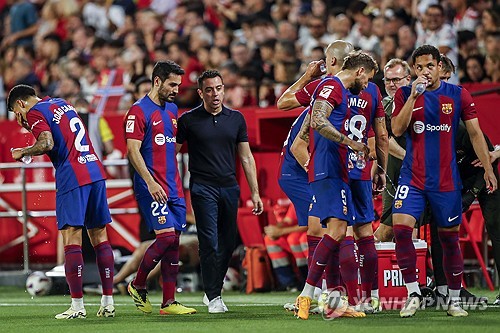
pixel 368 264
pixel 77 303
pixel 169 270
pixel 454 294
pixel 105 264
pixel 332 271
pixel 406 253
pixel 312 242
pixel 321 256
pixel 152 257
pixel 73 266
pixel 443 290
pixel 349 268
pixel 107 300
pixel 452 259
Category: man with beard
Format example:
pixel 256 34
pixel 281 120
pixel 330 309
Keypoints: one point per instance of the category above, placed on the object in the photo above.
pixel 150 129
pixel 215 134
pixel 327 168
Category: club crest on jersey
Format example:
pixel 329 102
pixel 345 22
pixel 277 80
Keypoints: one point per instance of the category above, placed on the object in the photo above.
pixel 398 204
pixel 344 210
pixel 162 219
pixel 447 108
pixel 326 91
pixel 174 123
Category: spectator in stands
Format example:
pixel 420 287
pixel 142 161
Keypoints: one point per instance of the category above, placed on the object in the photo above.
pixel 467 46
pixel 474 70
pixel 490 20
pixel 23 73
pixel 218 56
pixel 287 31
pixel 492 67
pixel 407 38
pixel 339 25
pixel 492 43
pixel 434 30
pixel 104 16
pixel 468 13
pixel 23 24
pixel 284 239
pixel 244 58
pixel 179 53
pixel 318 36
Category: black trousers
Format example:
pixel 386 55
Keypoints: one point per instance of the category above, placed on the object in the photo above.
pixel 215 209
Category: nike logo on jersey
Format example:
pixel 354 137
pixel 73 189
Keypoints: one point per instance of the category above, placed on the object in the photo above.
pixel 416 109
pixel 184 225
pixel 156 122
pixel 450 219
pixel 457 274
pixel 172 264
pixel 317 263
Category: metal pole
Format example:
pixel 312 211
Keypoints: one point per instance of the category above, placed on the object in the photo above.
pixel 24 201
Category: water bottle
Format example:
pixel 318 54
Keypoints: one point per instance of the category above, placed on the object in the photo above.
pixel 322 68
pixel 26 159
pixel 360 161
pixel 421 88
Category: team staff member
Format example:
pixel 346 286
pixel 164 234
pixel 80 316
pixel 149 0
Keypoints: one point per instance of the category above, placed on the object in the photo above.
pixel 80 188
pixel 215 134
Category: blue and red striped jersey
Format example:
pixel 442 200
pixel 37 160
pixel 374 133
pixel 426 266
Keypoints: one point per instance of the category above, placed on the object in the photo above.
pixel 73 155
pixel 365 107
pixel 289 167
pixel 430 162
pixel 328 158
pixel 156 127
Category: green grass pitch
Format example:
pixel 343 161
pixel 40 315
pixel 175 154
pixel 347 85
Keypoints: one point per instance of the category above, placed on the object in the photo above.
pixel 258 313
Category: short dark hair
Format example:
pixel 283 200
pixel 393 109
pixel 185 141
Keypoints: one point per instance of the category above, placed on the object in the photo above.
pixel 21 91
pixel 357 59
pixel 208 74
pixel 424 50
pixel 139 81
pixel 163 69
pixel 448 66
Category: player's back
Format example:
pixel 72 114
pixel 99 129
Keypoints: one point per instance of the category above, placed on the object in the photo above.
pixel 328 158
pixel 156 127
pixel 73 155
pixel 289 167
pixel 364 107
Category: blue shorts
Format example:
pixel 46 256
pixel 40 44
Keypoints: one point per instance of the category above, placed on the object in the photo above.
pixel 300 194
pixel 332 198
pixel 162 216
pixel 361 191
pixel 84 206
pixel 446 207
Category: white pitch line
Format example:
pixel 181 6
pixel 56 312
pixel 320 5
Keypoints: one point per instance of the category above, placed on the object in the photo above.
pixel 128 304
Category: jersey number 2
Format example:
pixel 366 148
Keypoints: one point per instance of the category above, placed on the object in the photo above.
pixel 80 133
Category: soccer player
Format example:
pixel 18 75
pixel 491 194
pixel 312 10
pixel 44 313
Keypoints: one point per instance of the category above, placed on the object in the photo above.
pixel 328 173
pixel 366 113
pixel 429 121
pixel 293 178
pixel 80 188
pixel 150 129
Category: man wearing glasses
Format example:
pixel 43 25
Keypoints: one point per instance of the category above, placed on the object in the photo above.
pixel 396 74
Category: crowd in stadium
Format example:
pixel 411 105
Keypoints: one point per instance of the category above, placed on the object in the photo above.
pixel 260 46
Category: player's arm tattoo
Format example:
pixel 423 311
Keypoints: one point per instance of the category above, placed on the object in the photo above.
pixel 319 121
pixel 43 144
pixel 304 128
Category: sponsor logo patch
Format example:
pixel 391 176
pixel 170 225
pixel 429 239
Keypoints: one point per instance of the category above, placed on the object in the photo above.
pixel 129 128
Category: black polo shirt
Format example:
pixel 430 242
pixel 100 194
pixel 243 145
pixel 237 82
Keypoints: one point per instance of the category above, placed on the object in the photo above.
pixel 212 144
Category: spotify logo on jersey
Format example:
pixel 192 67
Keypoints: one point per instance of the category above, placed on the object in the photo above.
pixel 418 127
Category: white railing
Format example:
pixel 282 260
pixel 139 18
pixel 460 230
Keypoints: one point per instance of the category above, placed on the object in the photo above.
pixel 24 214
